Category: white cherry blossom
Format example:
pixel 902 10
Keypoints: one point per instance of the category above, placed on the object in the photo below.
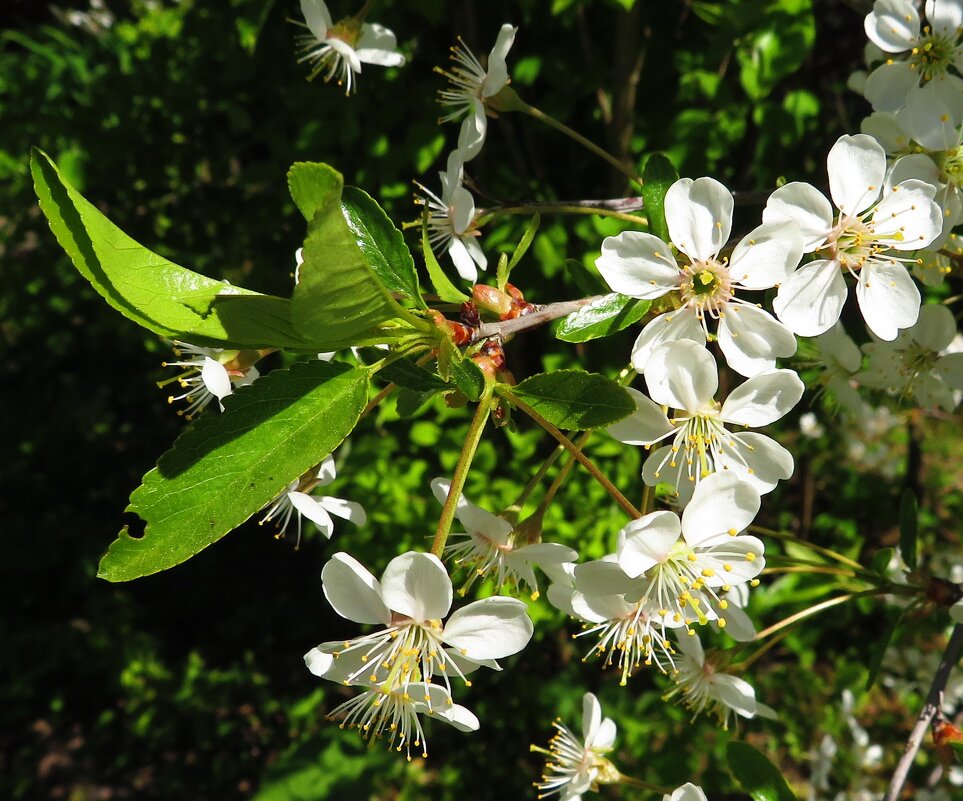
pixel 410 603
pixel 207 373
pixel 473 87
pixel 296 500
pixel 918 54
pixel 340 49
pixel 838 360
pixel 682 375
pixel 699 217
pixel 575 764
pixel 916 363
pixel 451 220
pixel 687 792
pixel 864 240
pixel 488 546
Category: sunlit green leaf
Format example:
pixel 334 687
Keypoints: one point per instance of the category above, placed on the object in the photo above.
pixel 756 774
pixel 604 316
pixel 575 400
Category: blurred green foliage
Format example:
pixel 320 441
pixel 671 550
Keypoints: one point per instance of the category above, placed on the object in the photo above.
pixel 179 120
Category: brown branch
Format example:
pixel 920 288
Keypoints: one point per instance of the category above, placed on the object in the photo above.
pixel 541 315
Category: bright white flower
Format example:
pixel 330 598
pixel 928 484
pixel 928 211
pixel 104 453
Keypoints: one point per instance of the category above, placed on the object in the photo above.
pixel 705 689
pixel 472 89
pixel 860 241
pixel 699 216
pixel 916 362
pixel 451 220
pixel 295 500
pixel 488 547
pixel 576 765
pixel 208 373
pixel 410 602
pixel 919 55
pixel 687 792
pixel 682 375
pixel 340 49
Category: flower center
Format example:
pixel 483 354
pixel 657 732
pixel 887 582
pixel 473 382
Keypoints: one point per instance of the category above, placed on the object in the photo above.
pixel 932 55
pixel 854 241
pixel 953 167
pixel 706 286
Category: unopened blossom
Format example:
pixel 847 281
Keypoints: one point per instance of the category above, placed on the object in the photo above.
pixel 207 373
pixel 576 765
pixel 339 50
pixel 916 363
pixel 410 603
pixel 683 376
pixel 864 240
pixel 704 688
pixel 488 547
pixel 451 220
pixel 296 500
pixel 699 217
pixel 472 89
pixel 918 54
pixel 687 792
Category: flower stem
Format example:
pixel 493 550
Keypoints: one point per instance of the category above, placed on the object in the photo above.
pixel 652 788
pixel 553 208
pixel 573 449
pixel 540 115
pixel 513 511
pixel 472 439
pixel 785 535
pixel 812 610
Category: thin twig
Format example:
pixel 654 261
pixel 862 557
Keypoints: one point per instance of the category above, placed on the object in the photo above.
pixel 542 314
pixel 930 708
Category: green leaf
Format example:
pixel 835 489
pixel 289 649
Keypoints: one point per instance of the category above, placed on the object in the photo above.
pixel 658 175
pixel 226 467
pixel 881 645
pixel 340 301
pixel 444 288
pixel 756 774
pixel 410 403
pixel 908 517
pixel 382 244
pixel 881 560
pixel 464 373
pixel 602 317
pixel 405 373
pixel 527 238
pixel 150 290
pixel 575 400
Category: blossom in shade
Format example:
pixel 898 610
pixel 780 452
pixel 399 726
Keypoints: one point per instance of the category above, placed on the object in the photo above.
pixel 838 360
pixel 488 546
pixel 451 220
pixel 687 792
pixel 703 687
pixel 916 364
pixel 699 217
pixel 865 240
pixel 296 500
pixel 339 50
pixel 410 603
pixel 917 54
pixel 576 765
pixel 472 88
pixel 682 375
pixel 207 373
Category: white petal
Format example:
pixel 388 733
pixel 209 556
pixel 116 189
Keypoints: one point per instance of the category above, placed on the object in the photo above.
pixel 721 503
pixel 604 737
pixel 929 120
pixel 327 471
pixel 691 646
pixel 352 591
pixel 767 255
pixel 489 629
pixel 763 463
pixel 810 301
pixel 602 577
pixel 475 519
pixel 682 375
pixel 313 510
pixel 888 85
pixel 908 216
pixel 462 209
pixel 638 265
pixel 885 127
pixel 687 792
pixel 647 424
pixel 646 542
pixel 347 52
pixel 893 25
pixel 317 17
pixel 476 252
pixel 474 129
pixel 462 260
pixel 752 339
pixel 591 716
pixel 417 585
pixel 599 608
pixel 497 76
pixel 318 662
pixel 944 16
pixel 736 694
pixel 699 216
pixel 458 716
pixel 857 168
pixel 546 553
pixel 668 327
pixel 888 298
pixel 805 206
pixel 935 328
pixel 348 510
pixel 916 166
pixel 216 378
pixel 377 45
pixel 763 399
pixel 739 625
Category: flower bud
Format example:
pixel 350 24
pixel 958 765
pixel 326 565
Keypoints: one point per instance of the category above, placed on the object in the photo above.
pixel 491 299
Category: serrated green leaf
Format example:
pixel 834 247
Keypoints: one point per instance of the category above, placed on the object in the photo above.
pixel 658 175
pixel 756 774
pixel 908 528
pixel 150 290
pixel 575 400
pixel 604 316
pixel 382 244
pixel 881 645
pixel 405 373
pixel 526 241
pixel 224 468
pixel 444 288
pixel 462 372
pixel 340 301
